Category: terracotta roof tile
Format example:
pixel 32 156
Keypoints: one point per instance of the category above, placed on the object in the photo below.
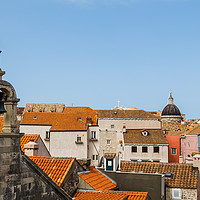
pixel 97 180
pixel 55 167
pixel 78 110
pixel 26 139
pixel 184 174
pixel 65 121
pixel 194 131
pixel 141 114
pixel 154 136
pixel 112 195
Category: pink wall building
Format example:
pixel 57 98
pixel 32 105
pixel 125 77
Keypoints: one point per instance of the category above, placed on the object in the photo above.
pixel 189 145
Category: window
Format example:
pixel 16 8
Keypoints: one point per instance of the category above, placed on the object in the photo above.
pixel 144 133
pixel 156 149
pixel 112 126
pixel 176 193
pixel 108 141
pixel 134 149
pixel 156 160
pixel 93 157
pixel 93 134
pixel 47 134
pixel 78 139
pixel 35 117
pixel 144 150
pixel 173 151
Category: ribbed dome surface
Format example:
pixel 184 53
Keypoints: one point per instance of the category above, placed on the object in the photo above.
pixel 171 109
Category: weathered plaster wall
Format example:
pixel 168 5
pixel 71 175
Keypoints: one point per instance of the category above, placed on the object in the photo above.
pixel 189 144
pixel 162 156
pixel 115 134
pixel 64 144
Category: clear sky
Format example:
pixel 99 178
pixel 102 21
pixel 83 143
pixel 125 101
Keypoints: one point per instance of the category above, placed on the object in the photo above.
pixel 94 52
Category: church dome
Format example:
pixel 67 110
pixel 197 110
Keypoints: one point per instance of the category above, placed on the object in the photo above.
pixel 171 109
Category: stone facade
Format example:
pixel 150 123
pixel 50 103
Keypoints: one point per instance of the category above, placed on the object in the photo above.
pixel 109 135
pixel 70 184
pixel 171 119
pixel 186 194
pixel 44 107
pixel 20 178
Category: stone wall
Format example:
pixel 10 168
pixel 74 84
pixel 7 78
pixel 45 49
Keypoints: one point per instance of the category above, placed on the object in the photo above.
pixel 21 178
pixel 71 181
pixel 186 194
pixel 44 107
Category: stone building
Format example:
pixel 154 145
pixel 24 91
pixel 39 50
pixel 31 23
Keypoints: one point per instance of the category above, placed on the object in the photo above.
pixel 171 113
pixel 20 178
pixel 149 145
pixel 171 118
pixel 105 138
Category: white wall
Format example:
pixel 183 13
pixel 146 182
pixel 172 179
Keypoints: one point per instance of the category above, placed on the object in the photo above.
pixel 36 129
pixel 93 145
pixel 162 156
pixel 63 144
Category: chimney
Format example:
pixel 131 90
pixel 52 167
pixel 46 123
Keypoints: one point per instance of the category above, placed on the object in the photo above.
pixel 124 128
pixel 31 148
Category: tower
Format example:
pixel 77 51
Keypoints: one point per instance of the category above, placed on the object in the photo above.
pixel 171 113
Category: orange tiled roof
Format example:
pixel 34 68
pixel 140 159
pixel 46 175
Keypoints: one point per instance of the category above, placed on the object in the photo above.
pixel 78 110
pixel 1 123
pixel 65 121
pixel 97 180
pixel 194 131
pixel 113 195
pixel 26 139
pixel 184 174
pixel 55 167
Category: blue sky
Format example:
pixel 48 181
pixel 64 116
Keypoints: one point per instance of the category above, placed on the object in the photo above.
pixel 92 52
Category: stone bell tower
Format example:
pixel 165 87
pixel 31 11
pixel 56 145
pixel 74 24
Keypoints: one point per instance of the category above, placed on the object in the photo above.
pixel 20 178
pixel 10 102
pixel 10 153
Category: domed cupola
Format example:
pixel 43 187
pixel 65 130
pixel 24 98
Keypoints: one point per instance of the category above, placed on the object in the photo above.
pixel 171 113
